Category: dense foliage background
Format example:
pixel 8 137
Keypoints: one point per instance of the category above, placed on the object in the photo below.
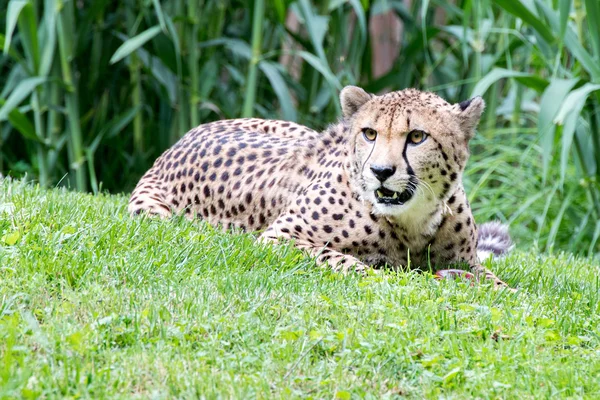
pixel 92 91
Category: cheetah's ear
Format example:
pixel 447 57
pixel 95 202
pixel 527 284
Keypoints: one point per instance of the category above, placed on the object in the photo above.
pixel 352 98
pixel 469 112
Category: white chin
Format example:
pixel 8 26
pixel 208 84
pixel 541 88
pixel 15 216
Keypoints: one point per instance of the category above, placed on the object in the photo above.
pixel 388 209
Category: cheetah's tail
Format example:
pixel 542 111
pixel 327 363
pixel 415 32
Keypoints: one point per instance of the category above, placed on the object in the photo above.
pixel 494 240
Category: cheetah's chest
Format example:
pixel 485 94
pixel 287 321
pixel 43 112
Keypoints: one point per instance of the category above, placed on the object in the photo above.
pixel 330 215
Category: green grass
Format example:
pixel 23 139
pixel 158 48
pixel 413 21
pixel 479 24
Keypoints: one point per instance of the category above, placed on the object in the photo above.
pixel 96 304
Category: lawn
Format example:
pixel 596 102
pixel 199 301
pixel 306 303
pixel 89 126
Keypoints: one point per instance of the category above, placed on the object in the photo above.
pixel 96 304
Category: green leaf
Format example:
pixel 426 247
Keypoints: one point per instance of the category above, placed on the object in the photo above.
pixel 568 116
pixel 361 18
pixel 573 43
pixel 11 238
pixel 49 37
pixel 322 67
pixel 16 75
pixel 564 10
pixel 21 123
pixel 450 376
pixel 586 147
pixel 65 27
pixel 594 239
pixel 343 395
pixel 592 8
pixel 279 6
pixel 28 32
pixel 22 91
pixel 160 15
pixel 236 46
pixel 550 103
pixel 552 336
pixel 281 89
pixel 335 4
pixel 12 17
pixel 465 35
pixel 174 37
pixel 557 221
pixel 316 26
pixel 518 9
pixel 575 101
pixel 116 125
pixel 134 43
pixel 161 73
pixel 530 80
pixel 209 77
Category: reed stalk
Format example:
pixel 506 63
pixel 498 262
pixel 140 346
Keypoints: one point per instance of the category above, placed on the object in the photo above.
pixel 66 29
pixel 251 81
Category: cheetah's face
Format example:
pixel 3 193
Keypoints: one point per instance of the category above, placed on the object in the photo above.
pixel 409 148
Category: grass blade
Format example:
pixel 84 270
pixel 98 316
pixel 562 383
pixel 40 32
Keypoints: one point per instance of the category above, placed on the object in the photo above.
pixel 160 15
pixel 573 43
pixel 575 101
pixel 134 43
pixel 12 17
pixel 20 93
pixel 528 79
pixel 21 123
pixel 29 36
pixel 320 66
pixel 316 26
pixel 551 101
pixel 279 86
pixel 568 116
pixel 49 37
pixel 557 222
pixel 563 11
pixel 592 8
pixel 518 9
pixel 591 249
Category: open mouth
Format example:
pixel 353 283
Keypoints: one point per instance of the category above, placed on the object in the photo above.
pixel 386 196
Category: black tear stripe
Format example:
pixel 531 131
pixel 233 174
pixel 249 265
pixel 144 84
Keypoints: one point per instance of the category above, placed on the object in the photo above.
pixel 412 177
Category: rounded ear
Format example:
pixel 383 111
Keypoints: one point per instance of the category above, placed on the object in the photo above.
pixel 352 98
pixel 469 112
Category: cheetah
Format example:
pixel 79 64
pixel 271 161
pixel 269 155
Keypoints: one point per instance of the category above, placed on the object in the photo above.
pixel 380 188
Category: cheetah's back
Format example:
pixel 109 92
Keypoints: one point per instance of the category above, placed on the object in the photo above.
pixel 238 173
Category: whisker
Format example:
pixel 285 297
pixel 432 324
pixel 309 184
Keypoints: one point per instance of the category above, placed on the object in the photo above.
pixel 426 185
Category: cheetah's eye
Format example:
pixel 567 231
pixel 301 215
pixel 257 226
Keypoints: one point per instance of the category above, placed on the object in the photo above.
pixel 369 134
pixel 417 137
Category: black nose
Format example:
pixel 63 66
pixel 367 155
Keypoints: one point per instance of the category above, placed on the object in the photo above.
pixel 383 172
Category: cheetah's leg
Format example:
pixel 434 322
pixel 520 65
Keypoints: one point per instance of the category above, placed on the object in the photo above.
pixel 325 257
pixel 481 272
pixel 148 198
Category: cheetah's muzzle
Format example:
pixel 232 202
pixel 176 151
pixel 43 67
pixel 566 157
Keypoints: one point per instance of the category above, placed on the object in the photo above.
pixel 390 197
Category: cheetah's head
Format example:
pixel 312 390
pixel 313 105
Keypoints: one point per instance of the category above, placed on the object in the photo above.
pixel 409 148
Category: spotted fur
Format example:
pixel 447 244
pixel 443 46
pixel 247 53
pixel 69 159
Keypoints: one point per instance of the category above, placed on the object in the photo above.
pixel 320 189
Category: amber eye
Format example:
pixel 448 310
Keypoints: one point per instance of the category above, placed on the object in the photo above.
pixel 369 134
pixel 417 137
